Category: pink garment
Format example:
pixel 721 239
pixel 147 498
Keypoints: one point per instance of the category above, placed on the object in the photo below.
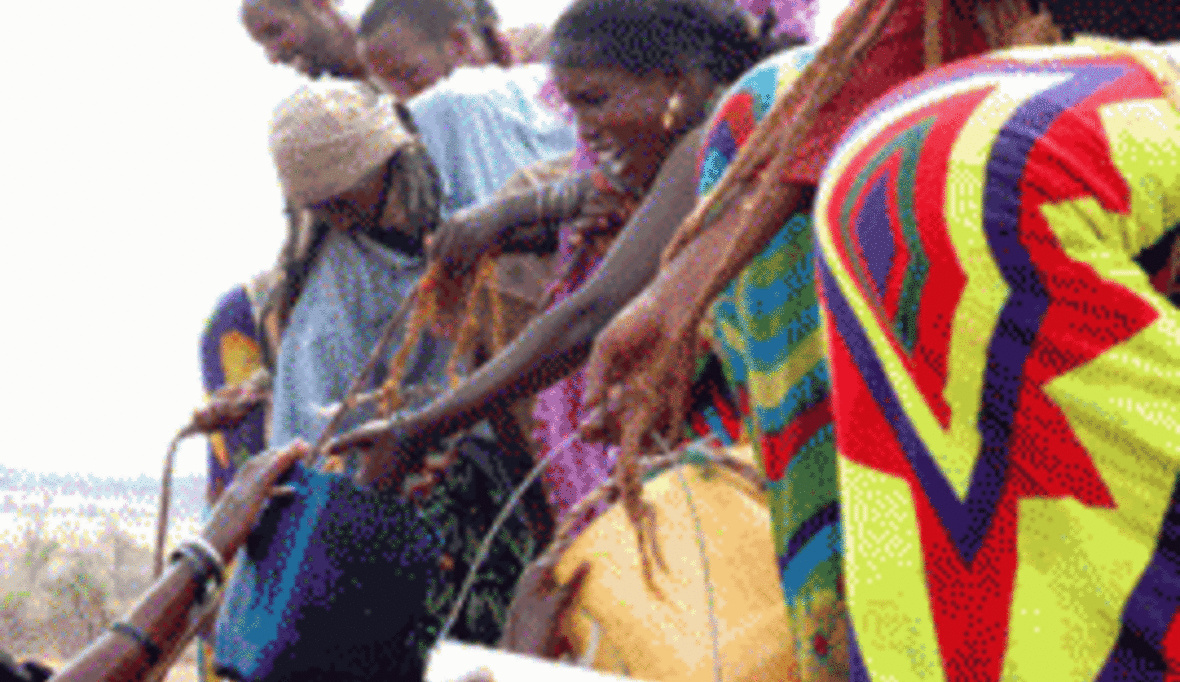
pixel 793 17
pixel 581 466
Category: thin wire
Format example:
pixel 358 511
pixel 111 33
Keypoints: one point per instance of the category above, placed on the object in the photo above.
pixel 166 499
pixel 486 547
pixel 715 631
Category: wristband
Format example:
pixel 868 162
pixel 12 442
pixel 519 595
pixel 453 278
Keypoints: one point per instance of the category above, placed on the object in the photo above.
pixel 149 647
pixel 211 555
pixel 205 564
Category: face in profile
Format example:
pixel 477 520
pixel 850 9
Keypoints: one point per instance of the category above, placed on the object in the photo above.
pixel 405 61
pixel 615 109
pixel 358 206
pixel 295 35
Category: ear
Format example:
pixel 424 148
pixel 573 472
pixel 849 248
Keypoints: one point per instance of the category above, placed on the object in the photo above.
pixel 460 46
pixel 696 86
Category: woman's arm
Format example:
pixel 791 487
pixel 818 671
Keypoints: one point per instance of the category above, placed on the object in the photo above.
pixel 163 613
pixel 558 341
pixel 522 222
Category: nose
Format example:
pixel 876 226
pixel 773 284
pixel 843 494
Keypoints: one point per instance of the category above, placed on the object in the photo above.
pixel 593 137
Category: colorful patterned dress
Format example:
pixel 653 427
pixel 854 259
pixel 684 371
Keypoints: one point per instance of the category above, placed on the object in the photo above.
pixel 767 331
pixel 230 354
pixel 1006 380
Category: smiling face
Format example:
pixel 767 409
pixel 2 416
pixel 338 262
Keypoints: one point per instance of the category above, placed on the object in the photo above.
pixel 406 62
pixel 306 37
pixel 616 110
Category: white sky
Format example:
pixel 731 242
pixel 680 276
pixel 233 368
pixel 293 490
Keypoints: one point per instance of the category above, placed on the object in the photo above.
pixel 138 190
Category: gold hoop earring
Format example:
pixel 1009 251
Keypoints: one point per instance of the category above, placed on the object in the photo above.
pixel 672 112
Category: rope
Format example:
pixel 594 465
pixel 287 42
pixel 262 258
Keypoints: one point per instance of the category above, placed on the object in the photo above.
pixel 710 596
pixel 485 547
pixel 366 372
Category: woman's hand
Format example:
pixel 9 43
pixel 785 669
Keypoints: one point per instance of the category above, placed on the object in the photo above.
pixel 534 617
pixel 240 504
pixel 460 241
pixel 635 374
pixel 394 450
pixel 227 407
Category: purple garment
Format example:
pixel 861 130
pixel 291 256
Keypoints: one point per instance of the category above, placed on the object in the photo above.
pixel 793 17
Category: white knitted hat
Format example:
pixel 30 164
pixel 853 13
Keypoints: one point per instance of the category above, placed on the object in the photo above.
pixel 328 135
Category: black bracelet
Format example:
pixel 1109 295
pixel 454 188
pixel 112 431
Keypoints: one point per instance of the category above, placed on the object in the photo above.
pixel 149 647
pixel 204 570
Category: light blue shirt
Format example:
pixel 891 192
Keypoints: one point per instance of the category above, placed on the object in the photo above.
pixel 353 289
pixel 482 125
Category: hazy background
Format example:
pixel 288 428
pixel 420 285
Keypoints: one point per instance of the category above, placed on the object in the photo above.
pixel 136 189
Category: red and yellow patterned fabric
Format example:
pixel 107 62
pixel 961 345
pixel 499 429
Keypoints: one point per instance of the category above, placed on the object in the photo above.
pixel 1006 381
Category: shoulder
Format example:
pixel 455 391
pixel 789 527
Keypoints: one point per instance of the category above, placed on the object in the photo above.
pixel 472 85
pixel 743 106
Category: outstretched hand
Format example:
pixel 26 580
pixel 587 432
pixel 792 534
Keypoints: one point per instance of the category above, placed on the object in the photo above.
pixel 392 450
pixel 227 407
pixel 639 371
pixel 238 509
pixel 460 241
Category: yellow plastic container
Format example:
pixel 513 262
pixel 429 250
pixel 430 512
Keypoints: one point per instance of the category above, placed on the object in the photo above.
pixel 670 636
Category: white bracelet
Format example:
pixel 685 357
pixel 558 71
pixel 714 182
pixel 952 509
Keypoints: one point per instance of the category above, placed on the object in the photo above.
pixel 211 555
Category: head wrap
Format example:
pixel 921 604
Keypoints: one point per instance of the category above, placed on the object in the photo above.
pixel 328 135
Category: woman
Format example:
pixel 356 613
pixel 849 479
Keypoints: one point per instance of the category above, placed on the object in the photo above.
pixel 767 326
pixel 480 118
pixel 642 105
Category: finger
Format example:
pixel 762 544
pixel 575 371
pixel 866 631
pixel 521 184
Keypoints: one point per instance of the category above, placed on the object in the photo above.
pixel 570 590
pixel 280 461
pixel 364 436
pixel 600 372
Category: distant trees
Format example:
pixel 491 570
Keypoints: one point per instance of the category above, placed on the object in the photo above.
pixel 54 597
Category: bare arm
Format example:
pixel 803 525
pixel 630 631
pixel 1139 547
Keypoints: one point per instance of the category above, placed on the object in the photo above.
pixel 559 341
pixel 163 613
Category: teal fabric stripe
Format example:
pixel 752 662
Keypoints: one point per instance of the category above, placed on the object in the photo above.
pixel 826 544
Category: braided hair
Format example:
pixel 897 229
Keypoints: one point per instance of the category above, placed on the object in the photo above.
pixel 487 21
pixel 668 36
